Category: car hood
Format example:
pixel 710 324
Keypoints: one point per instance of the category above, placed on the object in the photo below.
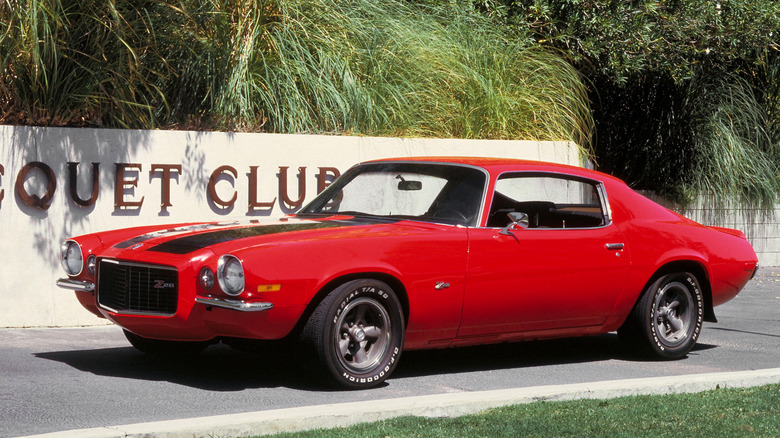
pixel 188 239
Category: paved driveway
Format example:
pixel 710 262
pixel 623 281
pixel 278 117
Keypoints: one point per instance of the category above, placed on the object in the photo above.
pixel 62 379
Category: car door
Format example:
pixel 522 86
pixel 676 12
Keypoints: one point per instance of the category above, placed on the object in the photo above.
pixel 564 270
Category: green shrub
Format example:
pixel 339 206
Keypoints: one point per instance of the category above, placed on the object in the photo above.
pixel 321 66
pixel 710 137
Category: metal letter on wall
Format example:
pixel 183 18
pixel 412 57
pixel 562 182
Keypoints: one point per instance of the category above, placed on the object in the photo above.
pixel 293 205
pixel 166 181
pixel 213 186
pixel 121 184
pixel 36 201
pixel 324 180
pixel 253 202
pixel 73 183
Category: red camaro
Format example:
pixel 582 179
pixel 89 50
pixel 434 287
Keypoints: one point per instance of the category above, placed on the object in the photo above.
pixel 420 253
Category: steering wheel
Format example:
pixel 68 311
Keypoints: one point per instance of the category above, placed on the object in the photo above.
pixel 453 214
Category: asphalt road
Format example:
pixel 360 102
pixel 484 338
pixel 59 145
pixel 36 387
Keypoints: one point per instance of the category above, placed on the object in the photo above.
pixel 62 379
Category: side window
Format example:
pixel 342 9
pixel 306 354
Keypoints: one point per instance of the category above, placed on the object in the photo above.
pixel 550 201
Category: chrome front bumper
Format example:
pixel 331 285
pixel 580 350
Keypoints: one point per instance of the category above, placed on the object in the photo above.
pixel 81 286
pixel 242 306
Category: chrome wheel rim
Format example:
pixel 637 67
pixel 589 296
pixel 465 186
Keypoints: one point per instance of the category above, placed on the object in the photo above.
pixel 362 335
pixel 673 311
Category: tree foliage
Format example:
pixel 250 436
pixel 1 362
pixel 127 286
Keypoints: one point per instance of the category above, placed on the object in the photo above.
pixel 618 39
pixel 685 92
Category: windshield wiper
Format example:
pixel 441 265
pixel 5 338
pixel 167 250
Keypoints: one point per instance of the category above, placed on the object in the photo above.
pixel 354 213
pixel 336 213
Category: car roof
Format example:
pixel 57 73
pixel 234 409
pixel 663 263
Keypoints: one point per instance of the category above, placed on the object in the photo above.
pixel 496 165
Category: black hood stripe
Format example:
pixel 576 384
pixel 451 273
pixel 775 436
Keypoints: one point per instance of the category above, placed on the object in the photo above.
pixel 194 242
pixel 180 230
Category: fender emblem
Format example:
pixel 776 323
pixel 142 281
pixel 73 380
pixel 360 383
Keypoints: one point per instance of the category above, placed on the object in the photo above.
pixel 441 285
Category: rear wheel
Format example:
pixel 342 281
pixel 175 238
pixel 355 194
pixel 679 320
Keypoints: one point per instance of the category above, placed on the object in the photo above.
pixel 357 333
pixel 166 349
pixel 667 320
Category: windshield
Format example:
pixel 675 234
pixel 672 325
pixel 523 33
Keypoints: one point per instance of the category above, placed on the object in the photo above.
pixel 431 192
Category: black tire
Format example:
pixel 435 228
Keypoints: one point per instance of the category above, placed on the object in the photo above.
pixel 356 333
pixel 667 319
pixel 165 349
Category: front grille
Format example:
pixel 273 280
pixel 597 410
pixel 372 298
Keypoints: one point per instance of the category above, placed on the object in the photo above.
pixel 137 288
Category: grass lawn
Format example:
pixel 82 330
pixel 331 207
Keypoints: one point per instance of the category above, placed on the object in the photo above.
pixel 743 412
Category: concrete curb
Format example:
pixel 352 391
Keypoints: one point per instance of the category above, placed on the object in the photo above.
pixel 439 405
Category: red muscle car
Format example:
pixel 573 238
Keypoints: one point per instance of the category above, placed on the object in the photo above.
pixel 406 254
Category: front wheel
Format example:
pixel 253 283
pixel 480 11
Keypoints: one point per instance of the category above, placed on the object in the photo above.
pixel 667 320
pixel 357 333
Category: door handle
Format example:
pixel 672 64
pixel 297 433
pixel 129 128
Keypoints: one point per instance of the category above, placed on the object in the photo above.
pixel 615 246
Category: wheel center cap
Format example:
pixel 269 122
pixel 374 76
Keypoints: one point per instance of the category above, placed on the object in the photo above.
pixel 358 335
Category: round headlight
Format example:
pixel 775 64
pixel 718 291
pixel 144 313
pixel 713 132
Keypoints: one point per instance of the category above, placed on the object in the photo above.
pixel 206 278
pixel 230 274
pixel 71 258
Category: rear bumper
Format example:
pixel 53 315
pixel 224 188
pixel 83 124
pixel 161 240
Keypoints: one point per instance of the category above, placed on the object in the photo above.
pixel 755 271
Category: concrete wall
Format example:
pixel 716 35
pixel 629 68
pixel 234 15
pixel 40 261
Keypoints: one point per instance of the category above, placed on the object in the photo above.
pixel 148 177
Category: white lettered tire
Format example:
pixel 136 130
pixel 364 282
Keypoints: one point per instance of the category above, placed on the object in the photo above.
pixel 357 333
pixel 667 320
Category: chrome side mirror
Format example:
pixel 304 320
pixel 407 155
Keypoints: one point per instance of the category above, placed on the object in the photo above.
pixel 517 220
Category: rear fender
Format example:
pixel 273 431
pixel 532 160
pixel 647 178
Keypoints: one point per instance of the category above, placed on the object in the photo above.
pixel 697 269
